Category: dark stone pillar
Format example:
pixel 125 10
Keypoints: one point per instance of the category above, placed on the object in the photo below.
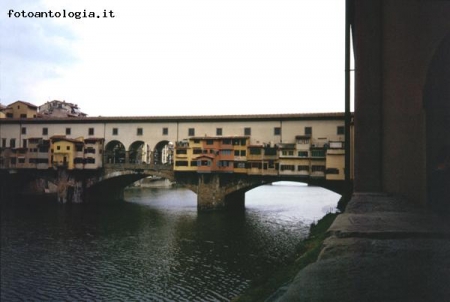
pixel 368 96
pixel 210 195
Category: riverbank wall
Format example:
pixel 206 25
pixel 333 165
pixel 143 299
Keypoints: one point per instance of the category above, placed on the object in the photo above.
pixel 382 248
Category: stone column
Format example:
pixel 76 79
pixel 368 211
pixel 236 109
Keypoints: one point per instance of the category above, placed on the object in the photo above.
pixel 368 96
pixel 210 195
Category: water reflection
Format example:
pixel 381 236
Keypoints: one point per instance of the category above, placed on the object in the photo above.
pixel 155 246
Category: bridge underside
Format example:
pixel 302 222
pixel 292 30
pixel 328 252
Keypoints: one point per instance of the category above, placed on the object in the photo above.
pixel 214 191
pixel 225 191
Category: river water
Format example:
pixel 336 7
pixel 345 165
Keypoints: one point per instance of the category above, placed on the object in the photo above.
pixel 154 246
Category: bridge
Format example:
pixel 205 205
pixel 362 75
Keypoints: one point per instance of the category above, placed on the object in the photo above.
pixel 232 154
pixel 214 190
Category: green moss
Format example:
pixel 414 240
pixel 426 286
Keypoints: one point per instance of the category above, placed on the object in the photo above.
pixel 307 252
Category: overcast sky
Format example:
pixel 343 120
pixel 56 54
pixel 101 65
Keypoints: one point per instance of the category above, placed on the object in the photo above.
pixel 176 57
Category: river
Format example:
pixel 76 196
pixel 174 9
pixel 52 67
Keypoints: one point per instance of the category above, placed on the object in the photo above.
pixel 154 246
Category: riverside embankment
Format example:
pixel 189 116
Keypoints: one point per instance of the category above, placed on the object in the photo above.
pixel 383 248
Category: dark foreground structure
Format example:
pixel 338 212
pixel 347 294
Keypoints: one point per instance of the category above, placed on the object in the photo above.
pixel 393 241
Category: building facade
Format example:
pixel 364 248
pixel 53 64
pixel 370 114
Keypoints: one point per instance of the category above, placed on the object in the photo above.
pixel 286 144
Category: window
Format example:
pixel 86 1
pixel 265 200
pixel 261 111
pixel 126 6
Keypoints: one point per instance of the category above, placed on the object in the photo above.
pixel 226 142
pixel 181 163
pixel 24 130
pixel 255 151
pixel 181 151
pixel 308 130
pixel 287 168
pixel 332 171
pixel 340 130
pixel 45 131
pixel 24 143
pixel 191 131
pixel 318 168
pixel 140 131
pixel 240 152
pixel 277 131
pixel 270 151
pixel 205 163
pixel 318 153
pixel 12 143
pixel 303 168
pixel 197 151
pixel 91 131
pixel 3 142
pixel 23 115
pixel 248 131
pixel 225 152
pixel 58 147
pixel 165 131
pixel 209 142
pixel 303 153
pixel 240 165
pixel 68 131
pixel 115 131
pixel 218 131
pixel 79 148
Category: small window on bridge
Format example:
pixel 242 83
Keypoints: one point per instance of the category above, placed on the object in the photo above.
pixel 165 131
pixel 308 130
pixel 303 153
pixel 332 171
pixel 248 131
pixel 140 131
pixel 277 131
pixel 218 131
pixel 91 131
pixel 191 131
pixel 287 168
pixel 115 131
pixel 181 163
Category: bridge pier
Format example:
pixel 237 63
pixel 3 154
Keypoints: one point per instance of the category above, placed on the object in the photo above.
pixel 210 194
pixel 213 193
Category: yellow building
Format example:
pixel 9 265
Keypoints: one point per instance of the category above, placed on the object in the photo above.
pixel 335 161
pixel 66 152
pixel 20 109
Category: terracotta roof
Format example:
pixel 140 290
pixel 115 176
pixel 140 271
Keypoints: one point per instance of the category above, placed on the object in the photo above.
pixel 23 102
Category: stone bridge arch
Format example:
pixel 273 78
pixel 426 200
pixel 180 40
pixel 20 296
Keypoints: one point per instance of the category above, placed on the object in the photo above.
pixel 112 183
pixel 215 191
